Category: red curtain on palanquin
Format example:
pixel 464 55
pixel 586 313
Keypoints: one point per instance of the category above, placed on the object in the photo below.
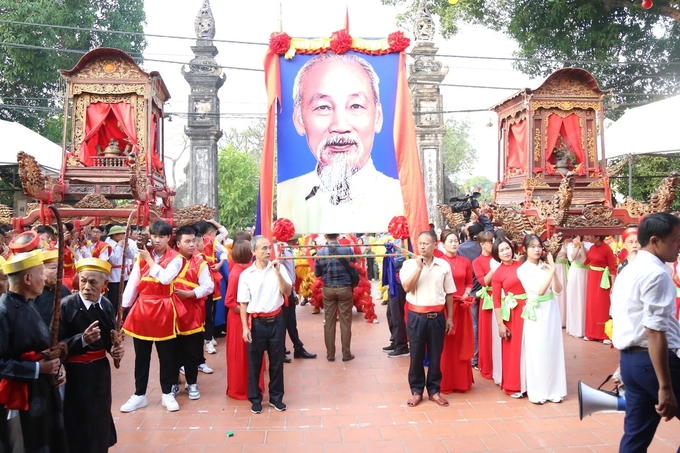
pixel 517 147
pixel 104 122
pixel 570 130
pixel 155 155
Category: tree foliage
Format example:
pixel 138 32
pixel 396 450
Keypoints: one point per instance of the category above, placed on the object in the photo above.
pixel 29 81
pixel 249 140
pixel 457 152
pixel 479 183
pixel 631 50
pixel 238 183
pixel 648 171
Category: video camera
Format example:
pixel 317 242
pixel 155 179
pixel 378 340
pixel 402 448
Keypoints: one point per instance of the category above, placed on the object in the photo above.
pixel 465 204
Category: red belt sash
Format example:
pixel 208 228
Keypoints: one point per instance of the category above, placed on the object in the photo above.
pixel 425 308
pixel 270 314
pixel 14 394
pixel 87 357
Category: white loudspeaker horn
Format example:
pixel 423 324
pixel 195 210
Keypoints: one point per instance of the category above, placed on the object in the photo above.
pixel 594 400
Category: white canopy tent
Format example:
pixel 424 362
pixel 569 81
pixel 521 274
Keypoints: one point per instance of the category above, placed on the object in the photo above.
pixel 16 137
pixel 651 128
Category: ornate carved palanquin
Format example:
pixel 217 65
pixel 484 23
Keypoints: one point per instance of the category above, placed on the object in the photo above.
pixel 551 165
pixel 570 96
pixel 110 97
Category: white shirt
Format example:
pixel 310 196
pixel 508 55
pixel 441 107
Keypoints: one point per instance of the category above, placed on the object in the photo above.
pixel 644 297
pixel 116 259
pixel 374 199
pixel 165 276
pixel 259 288
pixel 434 284
pixel 205 283
pixel 103 255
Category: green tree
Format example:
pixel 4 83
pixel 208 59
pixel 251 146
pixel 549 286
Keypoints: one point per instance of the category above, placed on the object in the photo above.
pixel 249 140
pixel 457 152
pixel 632 50
pixel 238 183
pixel 29 81
pixel 648 171
pixel 484 184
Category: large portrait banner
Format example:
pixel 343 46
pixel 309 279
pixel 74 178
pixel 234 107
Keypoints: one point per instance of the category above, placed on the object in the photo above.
pixel 340 128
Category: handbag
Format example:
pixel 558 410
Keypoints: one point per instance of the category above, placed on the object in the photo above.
pixel 353 273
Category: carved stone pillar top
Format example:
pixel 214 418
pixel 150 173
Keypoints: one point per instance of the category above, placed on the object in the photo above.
pixel 204 24
pixel 423 26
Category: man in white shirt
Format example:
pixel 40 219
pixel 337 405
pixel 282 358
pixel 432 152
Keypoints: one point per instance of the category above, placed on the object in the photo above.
pixel 646 332
pixel 116 239
pixel 336 104
pixel 152 316
pixel 262 288
pixel 429 288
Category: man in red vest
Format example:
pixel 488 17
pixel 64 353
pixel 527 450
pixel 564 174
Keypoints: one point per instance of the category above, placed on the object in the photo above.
pixel 98 248
pixel 152 317
pixel 191 287
pixel 213 233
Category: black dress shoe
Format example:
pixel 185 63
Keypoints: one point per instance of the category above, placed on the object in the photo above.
pixel 347 359
pixel 287 351
pixel 287 360
pixel 304 355
pixel 330 359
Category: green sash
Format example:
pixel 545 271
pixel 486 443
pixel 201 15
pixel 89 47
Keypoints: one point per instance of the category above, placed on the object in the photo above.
pixel 529 311
pixel 578 265
pixel 508 303
pixel 486 297
pixel 677 292
pixel 604 282
pixel 565 262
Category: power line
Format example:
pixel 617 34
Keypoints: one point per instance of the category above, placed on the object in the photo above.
pixel 82 52
pixel 129 33
pixel 230 41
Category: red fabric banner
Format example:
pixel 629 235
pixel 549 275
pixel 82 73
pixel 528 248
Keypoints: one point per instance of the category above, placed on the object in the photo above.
pixel 408 161
pixel 272 75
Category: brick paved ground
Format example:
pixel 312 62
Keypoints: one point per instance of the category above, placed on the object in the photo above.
pixel 360 406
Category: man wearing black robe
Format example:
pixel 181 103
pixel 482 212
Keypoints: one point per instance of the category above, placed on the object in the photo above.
pixel 37 422
pixel 44 303
pixel 86 322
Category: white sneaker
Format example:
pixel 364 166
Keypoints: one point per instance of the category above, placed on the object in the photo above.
pixel 205 368
pixel 606 342
pixel 135 402
pixel 194 394
pixel 213 341
pixel 181 369
pixel 210 348
pixel 168 400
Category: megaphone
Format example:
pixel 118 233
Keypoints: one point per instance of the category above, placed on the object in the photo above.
pixel 595 400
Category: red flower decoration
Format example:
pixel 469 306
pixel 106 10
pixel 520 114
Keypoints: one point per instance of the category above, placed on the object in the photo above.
pixel 398 227
pixel 341 42
pixel 279 42
pixel 398 41
pixel 284 230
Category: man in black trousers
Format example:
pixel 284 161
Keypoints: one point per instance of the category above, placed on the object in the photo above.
pixel 262 288
pixel 289 310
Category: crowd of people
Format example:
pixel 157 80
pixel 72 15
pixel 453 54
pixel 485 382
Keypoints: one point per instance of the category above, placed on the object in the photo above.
pixel 468 299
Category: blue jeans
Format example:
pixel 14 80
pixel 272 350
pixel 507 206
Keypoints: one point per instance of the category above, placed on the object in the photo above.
pixel 642 390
